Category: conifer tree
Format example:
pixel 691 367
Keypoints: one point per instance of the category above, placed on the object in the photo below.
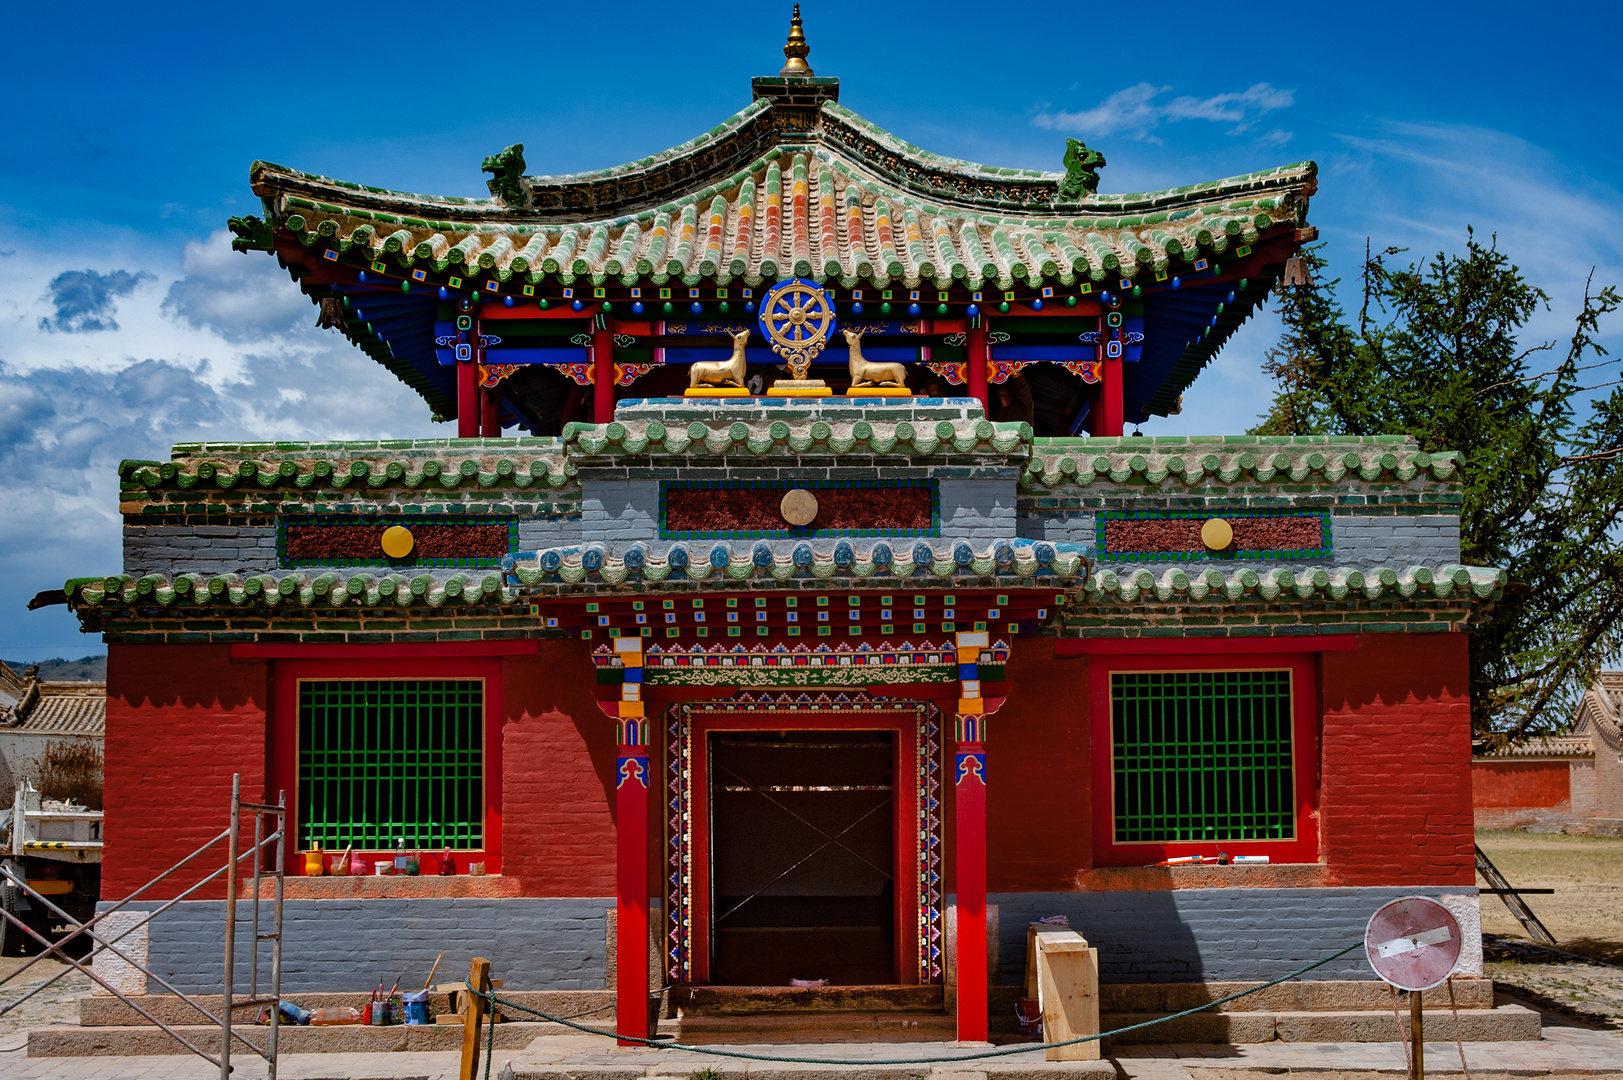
pixel 1436 351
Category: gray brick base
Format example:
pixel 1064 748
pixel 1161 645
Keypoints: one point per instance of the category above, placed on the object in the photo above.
pixel 340 945
pixel 1210 935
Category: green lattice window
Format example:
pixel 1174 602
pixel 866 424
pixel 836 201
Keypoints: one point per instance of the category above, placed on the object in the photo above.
pixel 1202 755
pixel 382 760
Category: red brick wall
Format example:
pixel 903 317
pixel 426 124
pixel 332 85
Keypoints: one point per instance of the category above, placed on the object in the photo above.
pixel 180 720
pixel 1499 784
pixel 1039 811
pixel 1396 799
pixel 558 777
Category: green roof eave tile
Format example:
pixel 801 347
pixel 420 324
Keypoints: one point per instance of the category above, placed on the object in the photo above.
pixel 1069 463
pixel 431 463
pixel 800 436
pixel 1283 585
pixel 300 590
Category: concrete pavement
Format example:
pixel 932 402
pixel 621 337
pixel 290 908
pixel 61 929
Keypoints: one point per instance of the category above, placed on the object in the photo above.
pixel 1565 1050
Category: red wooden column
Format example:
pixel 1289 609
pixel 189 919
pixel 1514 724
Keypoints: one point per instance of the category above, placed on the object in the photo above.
pixel 603 375
pixel 490 413
pixel 1110 375
pixel 631 892
pixel 632 780
pixel 975 369
pixel 969 785
pixel 468 406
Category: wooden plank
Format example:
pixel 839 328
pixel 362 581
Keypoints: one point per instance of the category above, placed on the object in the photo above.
pixel 1068 992
pixel 1512 898
pixel 478 979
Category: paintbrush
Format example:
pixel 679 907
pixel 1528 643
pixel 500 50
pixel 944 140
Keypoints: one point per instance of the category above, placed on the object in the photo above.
pixel 430 980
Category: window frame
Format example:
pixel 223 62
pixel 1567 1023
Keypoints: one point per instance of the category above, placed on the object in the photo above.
pixel 285 679
pixel 1304 847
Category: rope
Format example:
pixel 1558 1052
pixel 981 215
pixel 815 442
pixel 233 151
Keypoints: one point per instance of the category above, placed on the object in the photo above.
pixel 1007 1051
pixel 1458 1045
pixel 1403 1032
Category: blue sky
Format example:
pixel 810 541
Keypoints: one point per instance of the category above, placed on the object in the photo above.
pixel 127 324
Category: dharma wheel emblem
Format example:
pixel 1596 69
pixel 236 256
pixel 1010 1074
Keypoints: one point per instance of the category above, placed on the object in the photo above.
pixel 798 319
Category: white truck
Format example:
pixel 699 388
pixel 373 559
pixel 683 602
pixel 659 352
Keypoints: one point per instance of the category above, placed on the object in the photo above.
pixel 56 848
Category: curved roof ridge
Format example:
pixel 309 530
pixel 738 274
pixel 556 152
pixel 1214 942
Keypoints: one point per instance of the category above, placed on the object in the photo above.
pixel 958 164
pixel 663 157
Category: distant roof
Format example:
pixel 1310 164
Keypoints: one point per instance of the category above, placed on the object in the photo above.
pixel 51 708
pixel 1546 746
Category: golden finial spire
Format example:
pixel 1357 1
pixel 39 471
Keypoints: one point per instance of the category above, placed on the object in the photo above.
pixel 796 49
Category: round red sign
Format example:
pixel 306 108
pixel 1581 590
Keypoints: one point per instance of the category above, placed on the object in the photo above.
pixel 1413 943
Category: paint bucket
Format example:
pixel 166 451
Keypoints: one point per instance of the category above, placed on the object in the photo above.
pixel 338 866
pixel 357 865
pixel 383 868
pixel 476 869
pixel 417 1008
pixel 1028 1017
pixel 313 863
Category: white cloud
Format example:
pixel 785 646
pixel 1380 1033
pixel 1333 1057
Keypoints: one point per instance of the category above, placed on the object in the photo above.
pixel 224 350
pixel 1418 186
pixel 1139 110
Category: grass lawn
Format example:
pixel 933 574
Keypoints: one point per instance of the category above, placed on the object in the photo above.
pixel 1585 914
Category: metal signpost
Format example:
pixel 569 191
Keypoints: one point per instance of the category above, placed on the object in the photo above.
pixel 1414 945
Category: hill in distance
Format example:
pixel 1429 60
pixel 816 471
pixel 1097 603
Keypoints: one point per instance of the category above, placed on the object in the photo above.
pixel 84 669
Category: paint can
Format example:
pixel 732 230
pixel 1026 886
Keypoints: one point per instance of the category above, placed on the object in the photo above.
pixel 417 1008
pixel 313 863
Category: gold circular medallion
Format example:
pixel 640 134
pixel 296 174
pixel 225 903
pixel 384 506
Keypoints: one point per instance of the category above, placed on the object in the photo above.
pixel 799 507
pixel 398 541
pixel 1216 534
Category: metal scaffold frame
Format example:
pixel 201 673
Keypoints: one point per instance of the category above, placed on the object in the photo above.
pixel 276 839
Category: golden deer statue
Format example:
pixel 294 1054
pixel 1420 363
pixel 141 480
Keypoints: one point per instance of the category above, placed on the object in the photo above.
pixel 729 372
pixel 866 373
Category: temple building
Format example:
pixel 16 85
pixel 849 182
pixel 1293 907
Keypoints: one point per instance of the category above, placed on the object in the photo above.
pixel 792 604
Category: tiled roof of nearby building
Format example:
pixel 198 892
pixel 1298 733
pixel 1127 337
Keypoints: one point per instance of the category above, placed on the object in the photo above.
pixel 54 708
pixel 69 709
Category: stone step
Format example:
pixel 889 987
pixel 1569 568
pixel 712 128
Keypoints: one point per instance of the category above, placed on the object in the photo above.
pixel 73 1041
pixel 100 1010
pixel 816 1027
pixel 1327 995
pixel 745 1000
pixel 1503 1023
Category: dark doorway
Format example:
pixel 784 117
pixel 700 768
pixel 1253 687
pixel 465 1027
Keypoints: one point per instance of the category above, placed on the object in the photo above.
pixel 803 852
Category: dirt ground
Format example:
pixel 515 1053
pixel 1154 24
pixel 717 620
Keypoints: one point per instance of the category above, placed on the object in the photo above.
pixel 56 1005
pixel 1583 975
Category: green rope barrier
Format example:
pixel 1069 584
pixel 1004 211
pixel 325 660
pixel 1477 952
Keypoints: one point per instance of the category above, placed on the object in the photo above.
pixel 1005 1052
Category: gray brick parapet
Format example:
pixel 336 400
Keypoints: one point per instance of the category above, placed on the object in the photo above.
pixel 203 549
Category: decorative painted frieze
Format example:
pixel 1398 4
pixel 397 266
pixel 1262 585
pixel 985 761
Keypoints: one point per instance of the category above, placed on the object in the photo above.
pixel 756 509
pixel 1222 534
pixel 394 540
